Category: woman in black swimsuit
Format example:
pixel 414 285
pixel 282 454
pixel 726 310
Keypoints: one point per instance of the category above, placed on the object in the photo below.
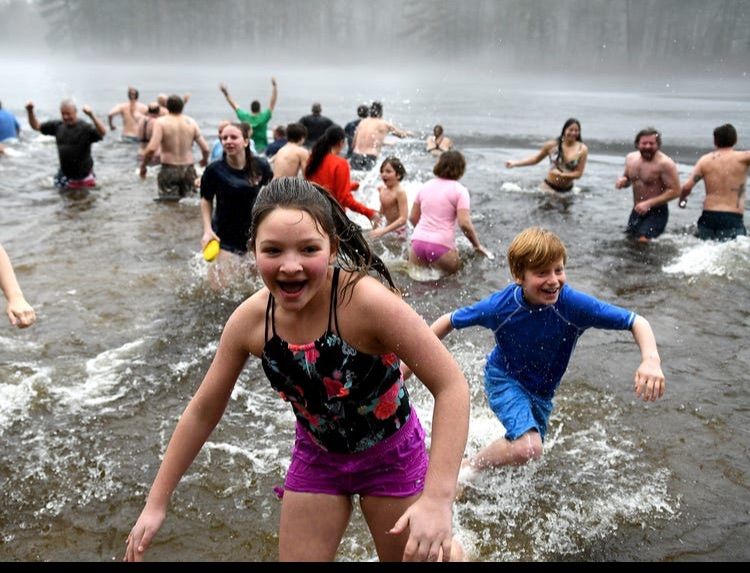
pixel 567 155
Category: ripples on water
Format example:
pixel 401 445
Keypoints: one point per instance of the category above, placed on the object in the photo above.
pixel 128 326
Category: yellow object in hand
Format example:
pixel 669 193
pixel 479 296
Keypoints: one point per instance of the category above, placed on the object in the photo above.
pixel 211 250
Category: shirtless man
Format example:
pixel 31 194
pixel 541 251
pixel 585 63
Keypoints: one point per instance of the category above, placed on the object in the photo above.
pixel 369 137
pixel 290 160
pixel 724 174
pixel 655 182
pixel 162 100
pixel 175 134
pixel 130 111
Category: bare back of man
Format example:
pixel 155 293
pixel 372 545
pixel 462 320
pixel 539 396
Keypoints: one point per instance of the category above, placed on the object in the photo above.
pixel 290 160
pixel 371 133
pixel 724 173
pixel 176 134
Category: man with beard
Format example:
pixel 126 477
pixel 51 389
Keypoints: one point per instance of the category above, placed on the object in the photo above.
pixel 655 182
pixel 724 174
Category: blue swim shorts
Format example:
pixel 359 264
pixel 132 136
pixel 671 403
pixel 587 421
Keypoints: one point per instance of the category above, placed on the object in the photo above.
pixel 517 409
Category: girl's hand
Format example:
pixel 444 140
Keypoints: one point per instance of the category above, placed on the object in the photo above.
pixel 20 313
pixel 143 532
pixel 430 529
pixel 482 251
pixel 207 237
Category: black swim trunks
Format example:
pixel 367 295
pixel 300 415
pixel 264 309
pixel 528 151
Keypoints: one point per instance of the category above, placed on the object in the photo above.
pixel 362 162
pixel 650 225
pixel 720 226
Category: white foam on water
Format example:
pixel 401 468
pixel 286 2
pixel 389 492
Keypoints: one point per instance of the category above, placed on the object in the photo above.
pixel 17 394
pixel 10 152
pixel 18 345
pixel 423 274
pixel 264 459
pixel 512 187
pixel 712 258
pixel 587 483
pixel 182 367
pixel 104 376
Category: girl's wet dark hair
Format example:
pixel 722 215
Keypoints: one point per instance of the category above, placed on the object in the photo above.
pixel 322 147
pixel 352 249
pixel 570 121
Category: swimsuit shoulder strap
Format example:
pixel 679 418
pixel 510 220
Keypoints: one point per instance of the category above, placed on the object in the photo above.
pixel 270 307
pixel 332 317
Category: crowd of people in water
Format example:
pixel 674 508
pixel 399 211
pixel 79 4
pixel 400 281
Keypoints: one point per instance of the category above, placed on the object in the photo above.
pixel 335 338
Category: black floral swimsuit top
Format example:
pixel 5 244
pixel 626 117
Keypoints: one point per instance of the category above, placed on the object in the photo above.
pixel 347 400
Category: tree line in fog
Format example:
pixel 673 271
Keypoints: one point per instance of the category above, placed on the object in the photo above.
pixel 561 35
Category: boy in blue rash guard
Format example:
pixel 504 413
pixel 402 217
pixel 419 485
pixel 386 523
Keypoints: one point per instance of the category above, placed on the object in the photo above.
pixel 537 322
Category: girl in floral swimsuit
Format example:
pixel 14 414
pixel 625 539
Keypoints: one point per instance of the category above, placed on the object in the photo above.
pixel 331 338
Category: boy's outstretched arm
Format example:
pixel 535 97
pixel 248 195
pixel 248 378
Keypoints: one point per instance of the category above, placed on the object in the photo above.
pixel 649 379
pixel 441 327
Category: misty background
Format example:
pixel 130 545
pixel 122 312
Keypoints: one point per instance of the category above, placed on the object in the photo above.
pixel 563 36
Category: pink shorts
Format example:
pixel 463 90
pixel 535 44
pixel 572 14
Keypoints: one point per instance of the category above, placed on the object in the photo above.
pixel 429 252
pixel 395 467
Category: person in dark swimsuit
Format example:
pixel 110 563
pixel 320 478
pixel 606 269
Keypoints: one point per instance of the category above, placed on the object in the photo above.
pixel 231 184
pixel 567 155
pixel 331 330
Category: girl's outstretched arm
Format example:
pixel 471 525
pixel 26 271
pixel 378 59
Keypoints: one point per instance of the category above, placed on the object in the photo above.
pixel 533 159
pixel 401 330
pixel 194 427
pixel 20 313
